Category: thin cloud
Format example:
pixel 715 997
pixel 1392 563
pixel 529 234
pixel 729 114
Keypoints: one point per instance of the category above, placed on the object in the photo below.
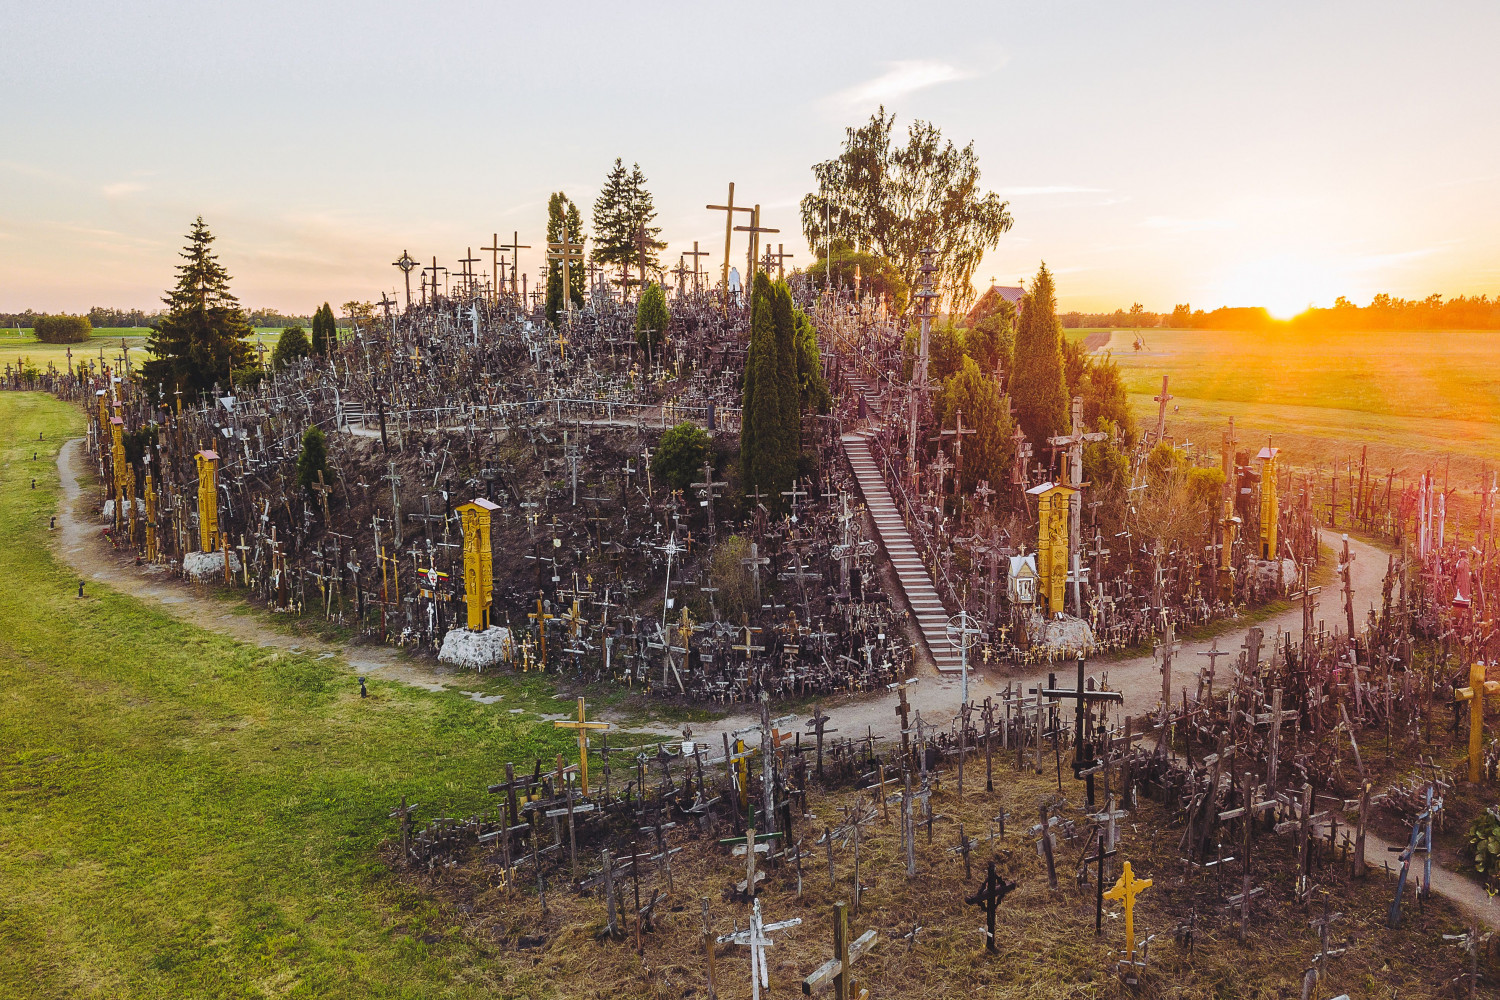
pixel 1018 192
pixel 903 77
pixel 1175 225
pixel 122 188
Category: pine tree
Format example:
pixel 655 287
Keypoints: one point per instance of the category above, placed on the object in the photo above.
pixel 202 338
pixel 1037 385
pixel 563 218
pixel 623 234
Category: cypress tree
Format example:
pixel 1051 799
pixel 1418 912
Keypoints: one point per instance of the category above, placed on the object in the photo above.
pixel 203 336
pixel 771 428
pixel 1037 384
pixel 324 331
pixel 652 319
pixel 563 217
pixel 291 345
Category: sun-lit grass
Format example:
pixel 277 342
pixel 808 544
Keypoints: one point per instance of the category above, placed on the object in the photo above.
pixel 1418 399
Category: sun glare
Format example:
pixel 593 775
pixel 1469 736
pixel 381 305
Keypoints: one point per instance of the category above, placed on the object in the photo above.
pixel 1285 284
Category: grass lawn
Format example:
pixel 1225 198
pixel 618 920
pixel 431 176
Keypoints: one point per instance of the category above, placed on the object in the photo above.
pixel 182 815
pixel 1419 400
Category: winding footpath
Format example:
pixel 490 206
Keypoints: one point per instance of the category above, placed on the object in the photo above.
pixel 80 544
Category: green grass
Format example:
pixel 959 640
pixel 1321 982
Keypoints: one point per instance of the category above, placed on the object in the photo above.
pixel 182 815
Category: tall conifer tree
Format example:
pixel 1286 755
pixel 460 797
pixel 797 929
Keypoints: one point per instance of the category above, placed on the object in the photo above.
pixel 623 212
pixel 1037 385
pixel 203 336
pixel 563 217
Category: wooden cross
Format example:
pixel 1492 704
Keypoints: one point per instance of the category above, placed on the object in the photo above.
pixel 957 434
pixel 1161 413
pixel 838 970
pixel 780 256
pixel 1101 852
pixel 818 724
pixel 515 246
pixel 582 728
pixel 903 710
pixel 988 898
pixel 754 229
pixel 695 253
pixel 728 209
pixel 1474 694
pixel 403 811
pixel 1083 697
pixel 755 937
pixel 1246 811
pixel 753 563
pixel 1127 887
pixel 406 262
pixel 568 253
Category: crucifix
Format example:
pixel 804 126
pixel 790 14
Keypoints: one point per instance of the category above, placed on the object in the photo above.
pixel 753 563
pixel 728 209
pixel 988 898
pixel 695 253
pixel 818 723
pixel 707 490
pixel 406 263
pixel 1074 443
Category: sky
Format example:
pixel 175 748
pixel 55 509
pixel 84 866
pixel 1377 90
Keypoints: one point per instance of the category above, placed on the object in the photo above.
pixel 1276 154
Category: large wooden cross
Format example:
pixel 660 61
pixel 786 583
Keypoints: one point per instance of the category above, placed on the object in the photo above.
pixel 1083 697
pixel 728 209
pixel 695 253
pixel 567 253
pixel 581 727
pixel 406 262
pixel 754 229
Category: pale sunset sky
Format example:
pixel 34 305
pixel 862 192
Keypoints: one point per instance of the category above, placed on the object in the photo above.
pixel 1274 154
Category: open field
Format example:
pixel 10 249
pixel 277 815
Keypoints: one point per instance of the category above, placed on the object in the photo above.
pixel 1418 400
pixel 26 347
pixel 183 815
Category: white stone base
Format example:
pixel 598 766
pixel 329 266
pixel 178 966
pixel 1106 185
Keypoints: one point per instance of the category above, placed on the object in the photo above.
pixel 108 513
pixel 475 650
pixel 205 567
pixel 1062 636
pixel 1266 570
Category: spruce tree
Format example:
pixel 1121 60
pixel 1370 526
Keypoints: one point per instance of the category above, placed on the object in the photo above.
pixel 1037 384
pixel 563 218
pixel 313 458
pixel 202 338
pixel 623 234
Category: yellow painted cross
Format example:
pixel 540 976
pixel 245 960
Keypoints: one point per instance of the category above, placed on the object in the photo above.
pixel 1474 695
pixel 1126 890
pixel 582 728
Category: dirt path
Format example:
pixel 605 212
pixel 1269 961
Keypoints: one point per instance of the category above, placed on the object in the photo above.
pixel 81 544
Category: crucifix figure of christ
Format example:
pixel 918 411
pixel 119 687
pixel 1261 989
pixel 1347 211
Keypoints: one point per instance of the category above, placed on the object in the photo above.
pixel 1074 443
pixel 1126 888
pixel 757 939
pixel 728 209
pixel 837 971
pixel 581 727
pixel 406 263
pixel 754 229
pixel 988 898
pixel 1083 696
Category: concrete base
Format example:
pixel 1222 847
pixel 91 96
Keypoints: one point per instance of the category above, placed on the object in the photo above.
pixel 206 567
pixel 475 650
pixel 108 513
pixel 1064 637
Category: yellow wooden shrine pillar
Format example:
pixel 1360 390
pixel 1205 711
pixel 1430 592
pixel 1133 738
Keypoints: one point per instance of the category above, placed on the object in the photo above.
pixel 208 500
pixel 117 466
pixel 479 571
pixel 1270 510
pixel 153 547
pixel 103 398
pixel 1474 695
pixel 1052 548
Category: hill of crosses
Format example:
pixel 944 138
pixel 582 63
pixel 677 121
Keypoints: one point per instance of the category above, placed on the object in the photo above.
pixel 970 689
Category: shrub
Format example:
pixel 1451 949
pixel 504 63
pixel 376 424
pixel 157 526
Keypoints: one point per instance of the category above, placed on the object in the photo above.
pixel 679 455
pixel 290 346
pixel 1484 841
pixel 651 320
pixel 63 329
pixel 314 459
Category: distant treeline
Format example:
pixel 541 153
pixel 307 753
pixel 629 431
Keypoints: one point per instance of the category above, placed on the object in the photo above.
pixel 1383 313
pixel 102 316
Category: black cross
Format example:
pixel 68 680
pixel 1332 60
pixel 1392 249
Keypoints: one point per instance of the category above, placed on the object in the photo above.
pixel 1082 751
pixel 988 897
